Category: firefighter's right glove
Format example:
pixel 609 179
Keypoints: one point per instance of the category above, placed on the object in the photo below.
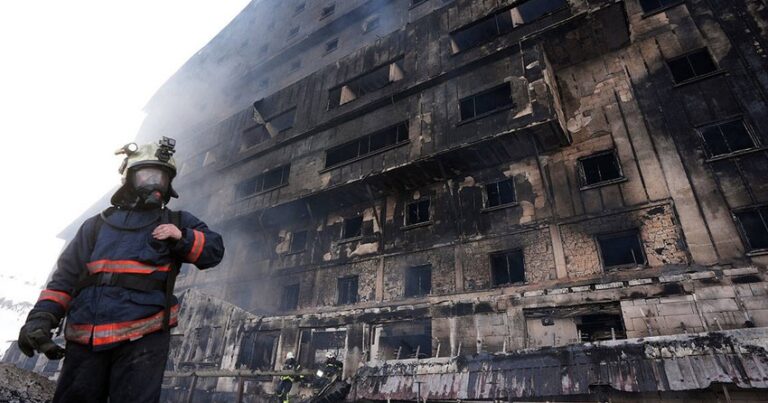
pixel 35 335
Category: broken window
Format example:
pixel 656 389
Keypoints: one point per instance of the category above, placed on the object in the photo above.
pixel 266 181
pixel 691 65
pixel 258 350
pixel 347 288
pixel 599 168
pixel 290 297
pixel 327 11
pixel 404 340
pixel 754 227
pixel 507 268
pixel 316 343
pixel 367 145
pixel 282 121
pixel 417 212
pixel 502 22
pixel 298 241
pixel 621 249
pixel 486 102
pixel 418 281
pixel 371 23
pixel 599 327
pixel 353 227
pixel 331 45
pixel 500 193
pixel 253 135
pixel 650 6
pixel 369 82
pixel 726 138
pixel 293 32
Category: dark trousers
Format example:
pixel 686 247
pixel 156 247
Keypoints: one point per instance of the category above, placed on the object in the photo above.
pixel 283 388
pixel 131 372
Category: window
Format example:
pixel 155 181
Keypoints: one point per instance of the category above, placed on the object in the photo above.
pixel 253 135
pixel 282 121
pixel 726 138
pixel 369 82
pixel 353 227
pixel 753 223
pixel 691 65
pixel 371 23
pixel 299 8
pixel 347 287
pixel 621 249
pixel 418 281
pixel 500 193
pixel 415 3
pixel 293 32
pixel 295 65
pixel 290 297
pixel 331 45
pixel 486 102
pixel 257 350
pixel 650 6
pixel 600 327
pixel 298 241
pixel 417 212
pixel 507 268
pixel 403 340
pixel 599 168
pixel 327 11
pixel 266 181
pixel 367 145
pixel 502 22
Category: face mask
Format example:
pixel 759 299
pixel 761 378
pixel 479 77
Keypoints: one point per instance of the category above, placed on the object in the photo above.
pixel 150 184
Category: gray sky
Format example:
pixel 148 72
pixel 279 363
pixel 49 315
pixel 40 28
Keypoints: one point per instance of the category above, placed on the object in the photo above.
pixel 74 76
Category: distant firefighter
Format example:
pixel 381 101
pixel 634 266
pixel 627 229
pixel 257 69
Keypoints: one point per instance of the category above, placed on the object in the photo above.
pixel 114 283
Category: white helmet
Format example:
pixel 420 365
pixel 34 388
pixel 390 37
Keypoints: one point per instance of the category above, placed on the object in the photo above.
pixel 289 355
pixel 330 355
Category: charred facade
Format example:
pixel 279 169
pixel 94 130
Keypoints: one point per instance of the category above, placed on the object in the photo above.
pixel 480 200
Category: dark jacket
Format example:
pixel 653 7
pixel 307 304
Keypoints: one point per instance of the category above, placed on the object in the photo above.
pixel 106 315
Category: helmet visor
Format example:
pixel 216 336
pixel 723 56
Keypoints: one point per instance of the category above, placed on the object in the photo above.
pixel 151 177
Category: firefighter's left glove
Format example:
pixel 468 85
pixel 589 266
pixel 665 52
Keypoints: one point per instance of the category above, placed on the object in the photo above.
pixel 35 335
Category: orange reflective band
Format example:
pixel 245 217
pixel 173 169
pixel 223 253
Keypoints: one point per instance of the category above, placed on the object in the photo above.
pixel 59 297
pixel 197 246
pixel 124 266
pixel 115 332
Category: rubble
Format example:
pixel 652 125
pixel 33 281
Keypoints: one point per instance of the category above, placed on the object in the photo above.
pixel 20 386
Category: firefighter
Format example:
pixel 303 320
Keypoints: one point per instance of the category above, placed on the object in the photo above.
pixel 332 365
pixel 114 283
pixel 286 381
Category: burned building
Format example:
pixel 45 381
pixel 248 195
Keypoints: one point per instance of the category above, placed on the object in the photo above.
pixel 479 200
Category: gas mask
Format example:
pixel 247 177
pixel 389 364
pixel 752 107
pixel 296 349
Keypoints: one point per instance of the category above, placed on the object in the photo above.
pixel 150 185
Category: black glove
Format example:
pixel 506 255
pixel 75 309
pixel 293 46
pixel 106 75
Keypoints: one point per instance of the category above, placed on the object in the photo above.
pixel 35 335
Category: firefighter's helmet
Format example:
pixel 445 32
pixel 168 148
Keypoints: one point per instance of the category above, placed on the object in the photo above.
pixel 158 155
pixel 289 355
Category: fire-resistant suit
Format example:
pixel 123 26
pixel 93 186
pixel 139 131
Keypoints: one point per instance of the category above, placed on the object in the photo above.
pixel 114 283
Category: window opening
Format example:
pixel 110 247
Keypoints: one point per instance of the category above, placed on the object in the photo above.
pixel 598 168
pixel 266 181
pixel 353 227
pixel 507 268
pixel 600 327
pixel 692 65
pixel 367 145
pixel 726 138
pixel 290 297
pixel 502 22
pixel 417 212
pixel 754 227
pixel 621 249
pixel 369 82
pixel 298 241
pixel 418 281
pixel 500 193
pixel 347 288
pixel 486 102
